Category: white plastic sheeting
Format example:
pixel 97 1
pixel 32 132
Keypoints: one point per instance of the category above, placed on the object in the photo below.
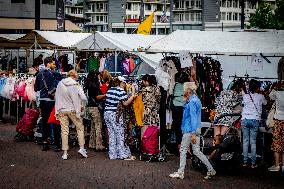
pixel 218 42
pixel 118 41
pixel 63 39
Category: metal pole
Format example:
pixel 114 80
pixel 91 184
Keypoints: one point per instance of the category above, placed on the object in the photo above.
pixel 171 15
pixel 115 62
pixel 17 70
pixel 141 17
pixel 242 2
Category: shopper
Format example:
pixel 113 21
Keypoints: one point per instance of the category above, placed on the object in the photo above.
pixel 251 116
pixel 191 129
pixel 278 129
pixel 95 108
pixel 228 102
pixel 177 106
pixel 69 99
pixel 45 84
pixel 151 99
pixel 118 149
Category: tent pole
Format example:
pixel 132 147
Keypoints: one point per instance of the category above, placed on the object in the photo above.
pixel 17 102
pixel 115 62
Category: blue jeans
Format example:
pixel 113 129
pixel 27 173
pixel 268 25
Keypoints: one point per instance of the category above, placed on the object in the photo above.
pixel 250 130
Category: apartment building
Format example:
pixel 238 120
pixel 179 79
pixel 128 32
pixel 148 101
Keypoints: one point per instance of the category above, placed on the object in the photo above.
pixel 230 12
pixel 18 16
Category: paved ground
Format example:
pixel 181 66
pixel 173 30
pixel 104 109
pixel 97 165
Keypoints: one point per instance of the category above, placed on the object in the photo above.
pixel 24 165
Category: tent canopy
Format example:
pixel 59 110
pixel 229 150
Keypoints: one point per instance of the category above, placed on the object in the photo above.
pixel 118 41
pixel 123 42
pixel 46 39
pixel 218 42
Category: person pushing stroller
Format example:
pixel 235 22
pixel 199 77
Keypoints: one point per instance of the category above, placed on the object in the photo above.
pixel 191 129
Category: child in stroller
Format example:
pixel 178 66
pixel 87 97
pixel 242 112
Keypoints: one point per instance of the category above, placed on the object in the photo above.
pixel 224 151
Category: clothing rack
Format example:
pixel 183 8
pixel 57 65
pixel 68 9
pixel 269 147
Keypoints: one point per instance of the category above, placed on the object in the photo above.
pixel 248 77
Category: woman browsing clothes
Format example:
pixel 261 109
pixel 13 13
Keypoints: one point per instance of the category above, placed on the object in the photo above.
pixel 95 108
pixel 251 116
pixel 118 149
pixel 278 128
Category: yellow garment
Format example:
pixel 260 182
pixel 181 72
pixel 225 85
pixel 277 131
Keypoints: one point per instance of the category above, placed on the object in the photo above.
pixel 127 87
pixel 138 107
pixel 146 25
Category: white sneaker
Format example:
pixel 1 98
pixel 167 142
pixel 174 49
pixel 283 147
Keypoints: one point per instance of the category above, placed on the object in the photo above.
pixel 177 175
pixel 83 153
pixel 274 168
pixel 65 156
pixel 210 174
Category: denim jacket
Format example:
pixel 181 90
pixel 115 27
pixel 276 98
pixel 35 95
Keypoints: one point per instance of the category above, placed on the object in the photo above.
pixel 191 121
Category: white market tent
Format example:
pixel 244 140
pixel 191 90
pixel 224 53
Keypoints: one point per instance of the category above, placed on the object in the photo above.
pixel 45 39
pixel 134 43
pixel 218 42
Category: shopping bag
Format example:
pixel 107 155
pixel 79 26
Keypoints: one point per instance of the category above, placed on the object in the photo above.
pixel 52 119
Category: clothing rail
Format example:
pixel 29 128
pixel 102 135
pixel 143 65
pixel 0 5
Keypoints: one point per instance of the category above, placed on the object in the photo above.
pixel 248 77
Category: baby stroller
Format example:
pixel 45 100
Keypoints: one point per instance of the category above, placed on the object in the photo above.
pixel 226 154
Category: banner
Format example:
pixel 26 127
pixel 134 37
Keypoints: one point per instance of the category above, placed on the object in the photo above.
pixel 60 15
pixel 146 25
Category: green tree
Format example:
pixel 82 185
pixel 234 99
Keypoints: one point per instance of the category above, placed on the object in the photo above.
pixel 267 18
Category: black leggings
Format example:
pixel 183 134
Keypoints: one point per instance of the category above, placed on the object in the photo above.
pixel 45 109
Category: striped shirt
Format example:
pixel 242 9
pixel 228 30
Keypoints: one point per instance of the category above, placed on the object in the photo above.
pixel 113 97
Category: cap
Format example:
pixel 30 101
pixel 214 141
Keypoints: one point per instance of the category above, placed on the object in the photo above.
pixel 120 78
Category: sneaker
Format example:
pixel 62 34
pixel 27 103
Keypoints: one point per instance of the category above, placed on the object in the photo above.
pixel 131 158
pixel 83 153
pixel 210 174
pixel 65 156
pixel 177 175
pixel 274 168
pixel 254 166
pixel 245 165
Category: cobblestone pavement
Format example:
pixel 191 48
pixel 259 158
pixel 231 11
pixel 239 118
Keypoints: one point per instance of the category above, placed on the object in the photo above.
pixel 24 165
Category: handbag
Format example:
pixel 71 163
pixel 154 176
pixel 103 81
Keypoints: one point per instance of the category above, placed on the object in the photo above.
pixel 270 117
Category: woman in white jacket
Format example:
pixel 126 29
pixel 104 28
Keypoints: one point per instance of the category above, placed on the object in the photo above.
pixel 69 98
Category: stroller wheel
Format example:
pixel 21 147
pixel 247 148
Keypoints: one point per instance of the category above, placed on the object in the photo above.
pixel 161 159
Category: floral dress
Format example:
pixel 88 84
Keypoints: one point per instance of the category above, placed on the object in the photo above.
pixel 225 104
pixel 151 100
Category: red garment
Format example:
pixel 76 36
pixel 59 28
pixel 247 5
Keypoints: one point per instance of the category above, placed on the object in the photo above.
pixel 104 88
pixel 131 64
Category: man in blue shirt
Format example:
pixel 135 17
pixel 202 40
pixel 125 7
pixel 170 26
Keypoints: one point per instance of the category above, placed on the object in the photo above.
pixel 191 129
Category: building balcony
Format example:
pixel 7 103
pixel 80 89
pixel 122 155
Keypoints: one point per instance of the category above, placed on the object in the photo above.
pixel 96 11
pixel 194 8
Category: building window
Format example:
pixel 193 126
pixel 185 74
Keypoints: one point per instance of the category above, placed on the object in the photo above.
pixel 223 16
pixel 192 16
pixel 17 1
pixel 235 16
pixel 192 3
pixel 187 4
pixel 223 3
pixel 128 6
pixel 48 2
pixel 148 7
pixel 229 4
pixel 135 7
pixel 198 4
pixel 198 17
pixel 229 16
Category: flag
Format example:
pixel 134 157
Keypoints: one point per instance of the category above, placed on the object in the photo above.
pixel 146 25
pixel 164 18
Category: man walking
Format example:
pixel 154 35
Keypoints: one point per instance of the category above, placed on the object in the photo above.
pixel 191 129
pixel 69 98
